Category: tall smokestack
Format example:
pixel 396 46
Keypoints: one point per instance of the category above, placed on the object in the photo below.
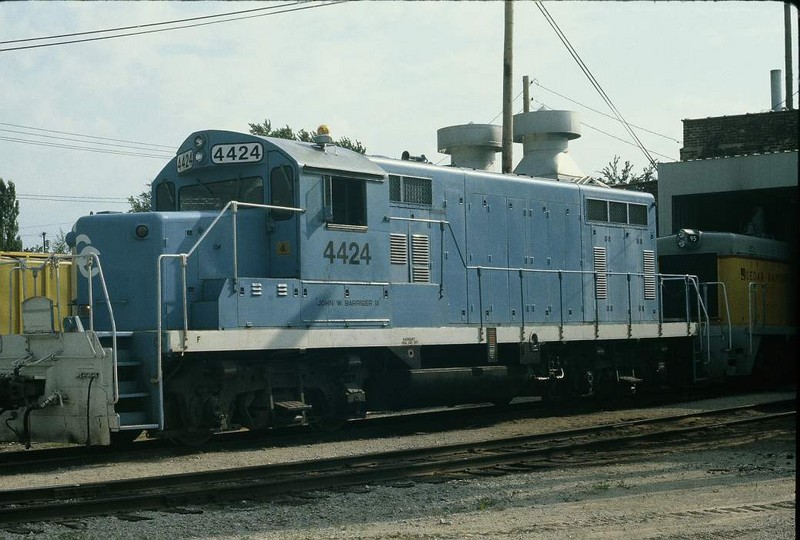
pixel 775 87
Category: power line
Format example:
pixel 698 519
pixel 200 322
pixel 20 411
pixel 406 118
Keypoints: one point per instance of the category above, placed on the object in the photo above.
pixel 545 105
pixel 277 11
pixel 85 148
pixel 537 83
pixel 501 112
pixel 120 28
pixel 624 141
pixel 592 79
pixel 70 198
pixel 169 147
pixel 787 99
pixel 46 225
pixel 82 141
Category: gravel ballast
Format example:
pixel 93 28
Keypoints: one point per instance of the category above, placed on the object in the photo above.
pixel 742 489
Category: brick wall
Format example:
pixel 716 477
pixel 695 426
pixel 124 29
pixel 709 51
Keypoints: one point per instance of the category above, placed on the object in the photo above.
pixel 740 135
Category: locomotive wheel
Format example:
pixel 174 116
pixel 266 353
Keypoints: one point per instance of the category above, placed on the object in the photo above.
pixel 189 438
pixel 323 417
pixel 174 407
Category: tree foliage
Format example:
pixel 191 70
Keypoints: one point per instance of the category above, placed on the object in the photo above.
pixel 9 212
pixel 59 245
pixel 613 174
pixel 140 202
pixel 264 129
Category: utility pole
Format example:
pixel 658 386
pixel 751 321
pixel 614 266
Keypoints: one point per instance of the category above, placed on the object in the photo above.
pixel 787 25
pixel 508 130
pixel 526 94
pixel 44 242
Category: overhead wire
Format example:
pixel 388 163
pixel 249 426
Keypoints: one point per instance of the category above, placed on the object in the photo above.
pixel 166 155
pixel 154 145
pixel 143 147
pixel 277 11
pixel 624 141
pixel 620 139
pixel 501 112
pixel 45 225
pixel 787 99
pixel 84 148
pixel 68 198
pixel 574 53
pixel 540 85
pixel 146 25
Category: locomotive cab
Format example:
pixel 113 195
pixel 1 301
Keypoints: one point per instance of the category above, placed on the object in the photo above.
pixel 745 290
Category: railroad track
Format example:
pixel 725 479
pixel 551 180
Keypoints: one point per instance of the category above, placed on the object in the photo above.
pixel 27 461
pixel 384 424
pixel 501 456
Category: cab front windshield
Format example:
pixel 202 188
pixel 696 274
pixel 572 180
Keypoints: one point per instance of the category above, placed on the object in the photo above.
pixel 215 195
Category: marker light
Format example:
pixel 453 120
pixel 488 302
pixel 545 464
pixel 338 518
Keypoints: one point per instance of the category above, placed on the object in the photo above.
pixel 688 238
pixel 198 142
pixel 198 156
pixel 681 239
pixel 142 231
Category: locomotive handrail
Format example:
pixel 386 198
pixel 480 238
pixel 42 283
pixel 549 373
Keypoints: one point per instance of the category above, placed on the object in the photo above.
pixel 10 292
pixel 751 288
pixel 114 359
pixel 184 257
pixel 20 265
pixel 727 309
pixel 701 308
pixel 418 220
pixel 701 305
pixel 560 273
pixel 89 258
pixel 235 205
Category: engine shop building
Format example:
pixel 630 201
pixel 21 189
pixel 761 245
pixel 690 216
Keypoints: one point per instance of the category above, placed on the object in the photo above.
pixel 736 174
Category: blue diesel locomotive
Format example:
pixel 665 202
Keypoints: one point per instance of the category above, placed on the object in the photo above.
pixel 279 282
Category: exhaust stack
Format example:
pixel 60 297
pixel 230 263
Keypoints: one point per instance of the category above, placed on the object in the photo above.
pixel 777 89
pixel 470 145
pixel 545 137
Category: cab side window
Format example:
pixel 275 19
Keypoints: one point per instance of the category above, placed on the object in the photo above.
pixel 346 199
pixel 165 197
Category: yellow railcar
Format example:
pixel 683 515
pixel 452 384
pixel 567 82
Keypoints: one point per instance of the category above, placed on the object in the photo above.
pixel 757 289
pixel 748 297
pixel 25 275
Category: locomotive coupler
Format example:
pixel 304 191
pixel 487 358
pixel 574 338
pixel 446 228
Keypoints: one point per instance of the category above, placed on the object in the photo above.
pixel 18 391
pixel 51 400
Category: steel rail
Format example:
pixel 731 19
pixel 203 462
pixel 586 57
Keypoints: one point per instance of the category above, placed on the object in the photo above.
pixel 376 424
pixel 264 481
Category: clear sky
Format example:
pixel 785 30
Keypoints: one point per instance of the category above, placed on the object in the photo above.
pixel 386 73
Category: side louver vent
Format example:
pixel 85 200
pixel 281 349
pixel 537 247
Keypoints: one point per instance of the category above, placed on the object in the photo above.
pixel 420 259
pixel 398 248
pixel 649 260
pixel 600 268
